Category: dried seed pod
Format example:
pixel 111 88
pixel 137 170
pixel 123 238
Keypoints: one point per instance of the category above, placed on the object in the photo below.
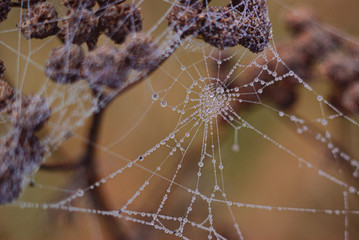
pixel 142 52
pixel 11 185
pixel 299 20
pixel 20 155
pixel 106 67
pixel 316 44
pixel 350 98
pixel 79 26
pixel 21 151
pixel 6 95
pixel 186 19
pixel 2 68
pixel 40 21
pixel 222 27
pixel 64 64
pixel 29 113
pixel 256 28
pixel 117 21
pixel 351 49
pixel 341 69
pixel 5 7
pixel 75 4
pixel 295 60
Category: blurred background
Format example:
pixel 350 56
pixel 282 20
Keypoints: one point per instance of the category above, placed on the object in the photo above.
pixel 260 173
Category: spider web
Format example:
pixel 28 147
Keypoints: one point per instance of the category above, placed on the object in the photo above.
pixel 179 161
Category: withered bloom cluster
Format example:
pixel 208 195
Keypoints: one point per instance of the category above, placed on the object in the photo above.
pixel 338 61
pixel 5 7
pixel 39 21
pixel 64 64
pixel 224 27
pixel 6 94
pixel 19 156
pixel 21 153
pixel 80 24
pixel 311 46
pixel 342 69
pixel 110 66
pixel 117 21
pixel 2 68
pixel 104 66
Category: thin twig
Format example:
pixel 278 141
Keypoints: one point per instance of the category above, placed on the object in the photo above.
pixel 88 161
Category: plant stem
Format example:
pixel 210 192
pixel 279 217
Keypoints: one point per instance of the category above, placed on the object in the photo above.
pixel 88 161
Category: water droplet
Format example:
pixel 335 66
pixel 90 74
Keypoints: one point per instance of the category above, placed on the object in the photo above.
pixel 220 90
pixel 155 96
pixel 80 192
pixel 235 148
pixel 163 103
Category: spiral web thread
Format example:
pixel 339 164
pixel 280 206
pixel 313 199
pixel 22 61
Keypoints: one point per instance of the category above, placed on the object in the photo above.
pixel 205 103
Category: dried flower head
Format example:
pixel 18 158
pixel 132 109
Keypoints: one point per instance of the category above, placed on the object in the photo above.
pixel 79 26
pixel 40 21
pixel 117 21
pixel 2 68
pixel 316 44
pixel 295 60
pixel 341 69
pixel 79 3
pixel 224 27
pixel 11 185
pixel 106 66
pixel 6 95
pixel 20 155
pixel 5 7
pixel 350 98
pixel 28 113
pixel 142 53
pixel 256 28
pixel 185 19
pixel 64 64
pixel 299 20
